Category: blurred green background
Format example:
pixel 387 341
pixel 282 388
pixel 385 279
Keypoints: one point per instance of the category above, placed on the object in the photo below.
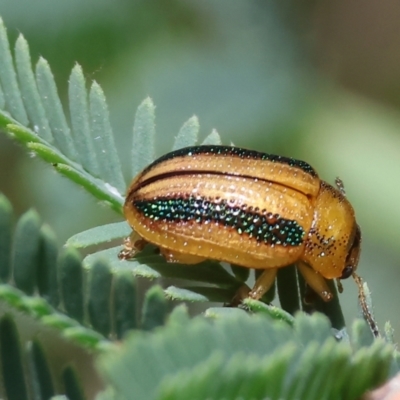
pixel 319 81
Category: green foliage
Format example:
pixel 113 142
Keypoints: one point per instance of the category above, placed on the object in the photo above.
pixel 155 308
pixel 11 361
pixel 86 154
pixel 89 296
pixel 144 130
pixel 100 305
pixel 188 134
pixel 27 371
pixel 99 235
pixel 245 357
pixel 5 237
pixel 44 387
pixel 124 305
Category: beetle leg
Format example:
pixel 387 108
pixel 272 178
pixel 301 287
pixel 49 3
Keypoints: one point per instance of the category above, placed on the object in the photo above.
pixel 339 285
pixel 241 294
pixel 172 256
pixel 263 283
pixel 132 245
pixel 315 280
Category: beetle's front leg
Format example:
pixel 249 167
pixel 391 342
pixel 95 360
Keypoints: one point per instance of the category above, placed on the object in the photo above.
pixel 132 245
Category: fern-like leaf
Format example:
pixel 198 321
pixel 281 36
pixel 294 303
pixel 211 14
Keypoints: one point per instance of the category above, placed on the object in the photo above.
pixel 8 78
pixel 91 296
pixel 83 308
pixel 246 357
pixel 143 147
pixel 29 90
pixel 33 115
pixel 188 135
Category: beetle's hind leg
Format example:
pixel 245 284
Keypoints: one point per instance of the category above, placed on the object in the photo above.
pixel 132 245
pixel 261 286
pixel 263 283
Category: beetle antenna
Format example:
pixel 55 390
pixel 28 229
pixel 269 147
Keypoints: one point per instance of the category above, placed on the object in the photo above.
pixel 364 305
pixel 340 185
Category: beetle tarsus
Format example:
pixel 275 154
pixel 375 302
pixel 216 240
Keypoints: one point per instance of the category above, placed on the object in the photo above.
pixel 132 245
pixel 339 285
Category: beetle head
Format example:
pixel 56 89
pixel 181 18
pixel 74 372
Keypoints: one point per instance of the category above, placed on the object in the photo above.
pixel 353 254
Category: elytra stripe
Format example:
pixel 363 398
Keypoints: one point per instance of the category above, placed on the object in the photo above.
pixel 234 152
pixel 263 226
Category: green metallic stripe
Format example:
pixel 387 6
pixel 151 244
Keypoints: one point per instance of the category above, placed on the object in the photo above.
pixel 264 226
pixel 234 152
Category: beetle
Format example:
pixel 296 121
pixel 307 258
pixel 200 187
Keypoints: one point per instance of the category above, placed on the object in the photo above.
pixel 247 208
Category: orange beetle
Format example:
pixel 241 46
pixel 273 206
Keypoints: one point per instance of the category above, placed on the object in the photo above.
pixel 247 208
